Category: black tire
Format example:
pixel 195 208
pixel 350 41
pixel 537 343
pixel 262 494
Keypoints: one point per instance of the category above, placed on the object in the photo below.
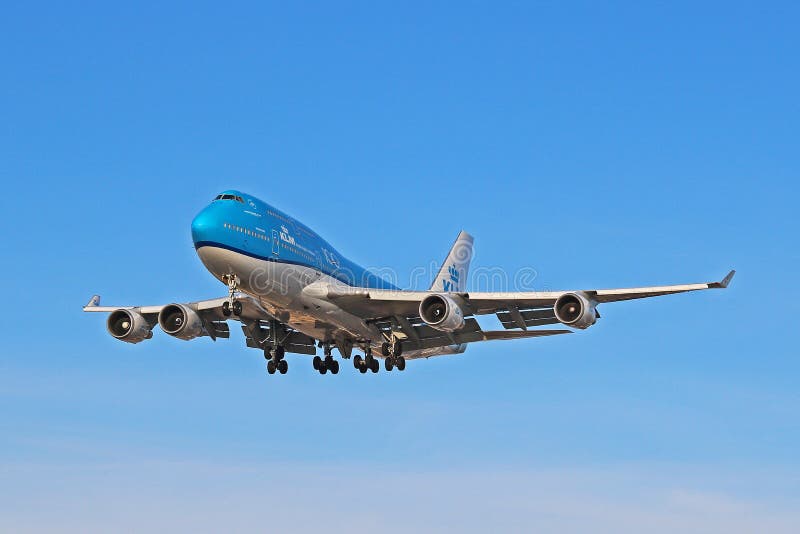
pixel 375 366
pixel 271 367
pixel 280 352
pixel 387 363
pixel 283 367
pixel 363 368
pixel 323 369
pixel 385 349
pixel 317 362
pixel 335 367
pixel 226 309
pixel 401 363
pixel 237 308
pixel 267 354
pixel 398 349
pixel 357 361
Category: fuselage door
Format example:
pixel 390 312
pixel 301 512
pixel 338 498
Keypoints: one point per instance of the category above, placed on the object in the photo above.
pixel 276 245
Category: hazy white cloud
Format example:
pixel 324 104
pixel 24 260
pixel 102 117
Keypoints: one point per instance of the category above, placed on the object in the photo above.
pixel 207 497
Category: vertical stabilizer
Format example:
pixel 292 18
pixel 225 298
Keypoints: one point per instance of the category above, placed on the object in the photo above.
pixel 453 274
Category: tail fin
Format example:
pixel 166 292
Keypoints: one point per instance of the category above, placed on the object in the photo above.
pixel 453 274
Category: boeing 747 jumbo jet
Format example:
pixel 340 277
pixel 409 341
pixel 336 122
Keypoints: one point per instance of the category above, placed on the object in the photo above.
pixel 293 292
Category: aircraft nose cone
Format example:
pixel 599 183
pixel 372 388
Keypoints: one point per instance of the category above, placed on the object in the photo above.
pixel 202 226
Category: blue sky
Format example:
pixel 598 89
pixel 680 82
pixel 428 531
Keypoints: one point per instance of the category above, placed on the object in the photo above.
pixel 602 146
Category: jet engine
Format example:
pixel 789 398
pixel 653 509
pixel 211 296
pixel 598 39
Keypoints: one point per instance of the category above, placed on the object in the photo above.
pixel 575 310
pixel 441 312
pixel 128 326
pixel 180 321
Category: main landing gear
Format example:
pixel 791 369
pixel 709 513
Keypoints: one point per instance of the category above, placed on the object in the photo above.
pixel 327 364
pixel 393 354
pixel 232 305
pixel 367 363
pixel 275 361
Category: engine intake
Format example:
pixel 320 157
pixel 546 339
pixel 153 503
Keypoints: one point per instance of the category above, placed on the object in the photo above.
pixel 128 326
pixel 180 321
pixel 575 310
pixel 442 313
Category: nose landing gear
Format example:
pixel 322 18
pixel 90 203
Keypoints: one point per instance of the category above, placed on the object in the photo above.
pixel 232 305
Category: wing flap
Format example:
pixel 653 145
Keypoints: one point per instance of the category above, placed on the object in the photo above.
pixel 526 318
pixel 218 329
pixel 492 335
pixel 259 335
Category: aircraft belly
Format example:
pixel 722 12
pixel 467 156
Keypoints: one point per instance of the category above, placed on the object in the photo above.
pixel 279 288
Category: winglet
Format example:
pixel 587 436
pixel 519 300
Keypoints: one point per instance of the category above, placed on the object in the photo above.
pixel 93 302
pixel 725 281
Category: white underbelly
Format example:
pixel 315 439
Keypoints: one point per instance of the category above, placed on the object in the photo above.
pixel 279 288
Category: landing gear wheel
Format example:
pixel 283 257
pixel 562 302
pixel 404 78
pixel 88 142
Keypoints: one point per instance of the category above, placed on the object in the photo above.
pixel 387 363
pixel 386 349
pixel 400 362
pixel 226 308
pixel 267 354
pixel 271 367
pixel 323 369
pixel 335 368
pixel 358 362
pixel 362 368
pixel 279 352
pixel 398 349
pixel 283 367
pixel 317 363
pixel 375 366
pixel 237 308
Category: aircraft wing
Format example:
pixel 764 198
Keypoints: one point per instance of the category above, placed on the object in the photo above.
pixel 399 310
pixel 490 302
pixel 213 321
pixel 209 311
pixel 260 328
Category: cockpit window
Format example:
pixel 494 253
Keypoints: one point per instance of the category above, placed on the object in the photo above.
pixel 229 197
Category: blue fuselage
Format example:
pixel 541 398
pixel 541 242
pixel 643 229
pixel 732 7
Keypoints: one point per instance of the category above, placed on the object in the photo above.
pixel 243 224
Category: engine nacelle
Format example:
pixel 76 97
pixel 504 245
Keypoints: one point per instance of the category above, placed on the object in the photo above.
pixel 180 321
pixel 576 310
pixel 442 313
pixel 128 326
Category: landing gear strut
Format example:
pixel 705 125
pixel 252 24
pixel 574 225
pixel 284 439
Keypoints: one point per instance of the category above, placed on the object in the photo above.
pixel 393 354
pixel 275 361
pixel 327 364
pixel 232 304
pixel 368 363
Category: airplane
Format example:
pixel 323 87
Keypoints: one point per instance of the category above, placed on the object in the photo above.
pixel 292 292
